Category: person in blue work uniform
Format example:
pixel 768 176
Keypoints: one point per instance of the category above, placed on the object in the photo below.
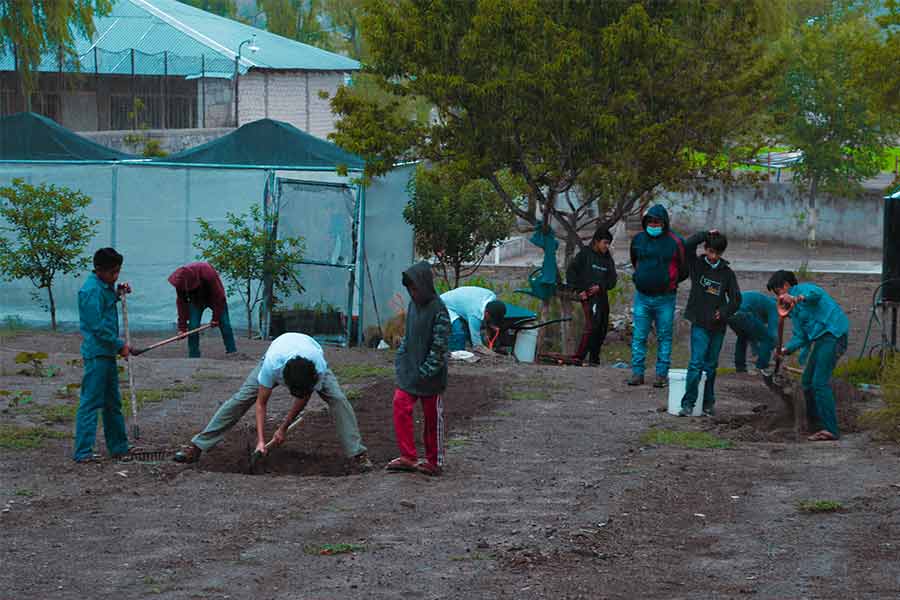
pixel 99 323
pixel 660 264
pixel 756 325
pixel 820 330
pixel 475 317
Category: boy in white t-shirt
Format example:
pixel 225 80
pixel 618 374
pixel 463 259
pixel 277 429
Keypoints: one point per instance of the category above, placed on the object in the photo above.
pixel 298 362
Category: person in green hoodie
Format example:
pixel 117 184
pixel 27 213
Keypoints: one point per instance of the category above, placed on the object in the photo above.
pixel 421 370
pixel 755 324
pixel 714 298
pixel 99 323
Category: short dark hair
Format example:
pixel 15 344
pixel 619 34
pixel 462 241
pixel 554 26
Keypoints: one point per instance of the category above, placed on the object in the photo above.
pixel 106 259
pixel 496 310
pixel 602 233
pixel 779 278
pixel 717 242
pixel 300 376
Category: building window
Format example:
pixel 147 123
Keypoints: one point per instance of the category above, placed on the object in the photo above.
pixel 181 112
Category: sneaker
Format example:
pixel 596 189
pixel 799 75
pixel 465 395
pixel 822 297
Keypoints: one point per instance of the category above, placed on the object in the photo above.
pixel 685 412
pixel 361 463
pixel 636 380
pixel 401 464
pixel 709 412
pixel 93 458
pixel 661 381
pixel 187 455
pixel 427 468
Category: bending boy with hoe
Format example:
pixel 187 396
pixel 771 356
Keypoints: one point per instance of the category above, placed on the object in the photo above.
pixel 297 361
pixel 820 330
pixel 475 316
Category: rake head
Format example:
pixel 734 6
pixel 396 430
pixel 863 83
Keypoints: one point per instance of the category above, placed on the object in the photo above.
pixel 151 455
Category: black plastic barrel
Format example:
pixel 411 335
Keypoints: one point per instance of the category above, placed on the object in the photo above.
pixel 890 267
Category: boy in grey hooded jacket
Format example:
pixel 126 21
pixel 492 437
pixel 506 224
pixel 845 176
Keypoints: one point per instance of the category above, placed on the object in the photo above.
pixel 421 368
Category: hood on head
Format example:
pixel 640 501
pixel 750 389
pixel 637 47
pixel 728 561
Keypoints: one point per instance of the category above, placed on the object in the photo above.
pixel 420 276
pixel 659 211
pixel 184 279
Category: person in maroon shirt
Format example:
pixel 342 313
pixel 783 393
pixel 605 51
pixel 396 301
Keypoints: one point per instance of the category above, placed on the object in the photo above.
pixel 199 287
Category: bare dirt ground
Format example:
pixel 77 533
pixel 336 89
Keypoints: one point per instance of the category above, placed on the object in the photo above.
pixel 549 492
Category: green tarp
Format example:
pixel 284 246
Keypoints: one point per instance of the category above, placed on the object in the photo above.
pixel 268 143
pixel 28 136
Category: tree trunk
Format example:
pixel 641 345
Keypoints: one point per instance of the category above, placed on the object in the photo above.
pixel 52 308
pixel 456 269
pixel 813 212
pixel 249 313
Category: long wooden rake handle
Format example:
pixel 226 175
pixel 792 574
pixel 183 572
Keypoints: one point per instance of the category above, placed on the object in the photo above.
pixel 174 338
pixel 135 428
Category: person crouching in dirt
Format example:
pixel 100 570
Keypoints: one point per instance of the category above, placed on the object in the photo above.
pixel 199 287
pixel 297 361
pixel 475 316
pixel 658 258
pixel 421 368
pixel 819 328
pixel 756 324
pixel 714 297
pixel 592 273
pixel 99 323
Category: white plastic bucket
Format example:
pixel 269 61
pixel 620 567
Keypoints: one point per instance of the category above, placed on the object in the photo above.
pixel 677 385
pixel 526 345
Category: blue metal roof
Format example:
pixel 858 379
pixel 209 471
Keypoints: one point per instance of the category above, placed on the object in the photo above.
pixel 185 33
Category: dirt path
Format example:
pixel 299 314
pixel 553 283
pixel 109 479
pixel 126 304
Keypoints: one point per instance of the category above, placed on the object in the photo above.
pixel 549 493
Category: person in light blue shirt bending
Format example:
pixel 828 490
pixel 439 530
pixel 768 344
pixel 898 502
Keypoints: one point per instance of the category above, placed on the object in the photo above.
pixel 820 330
pixel 475 317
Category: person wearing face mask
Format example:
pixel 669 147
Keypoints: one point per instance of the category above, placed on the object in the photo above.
pixel 715 297
pixel 658 257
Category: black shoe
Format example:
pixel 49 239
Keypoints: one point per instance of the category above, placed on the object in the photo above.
pixel 685 412
pixel 636 380
pixel 709 412
pixel 740 369
pixel 361 463
pixel 188 455
pixel 661 381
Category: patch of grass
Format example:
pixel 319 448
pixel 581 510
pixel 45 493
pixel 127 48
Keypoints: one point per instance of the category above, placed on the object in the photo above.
pixel 503 413
pixel 68 390
pixel 356 372
pixel 525 395
pixel 332 549
pixel 457 442
pixel 25 492
pixel 886 420
pixel 353 395
pixel 860 370
pixel 684 439
pixel 725 371
pixel 153 395
pixel 819 506
pixel 59 413
pixel 16 399
pixel 15 437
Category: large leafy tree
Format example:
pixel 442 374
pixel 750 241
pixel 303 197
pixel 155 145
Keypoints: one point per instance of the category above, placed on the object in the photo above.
pixel 457 220
pixel 31 28
pixel 223 8
pixel 596 105
pixel 46 233
pixel 829 107
pixel 296 19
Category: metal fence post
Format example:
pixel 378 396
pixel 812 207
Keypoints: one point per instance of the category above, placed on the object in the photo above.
pixel 133 106
pixel 165 94
pixel 203 85
pixel 97 87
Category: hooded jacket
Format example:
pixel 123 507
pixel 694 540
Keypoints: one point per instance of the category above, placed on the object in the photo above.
pixel 712 289
pixel 421 363
pixel 198 284
pixel 659 262
pixel 589 268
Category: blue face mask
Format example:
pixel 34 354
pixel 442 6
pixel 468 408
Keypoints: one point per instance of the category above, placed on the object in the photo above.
pixel 654 231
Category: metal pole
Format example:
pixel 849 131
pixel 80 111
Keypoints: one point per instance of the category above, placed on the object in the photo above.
pixel 97 87
pixel 165 98
pixel 203 86
pixel 133 107
pixel 361 260
pixel 236 90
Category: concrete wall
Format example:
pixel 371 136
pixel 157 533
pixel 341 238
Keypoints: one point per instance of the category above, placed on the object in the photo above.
pixel 778 211
pixel 171 140
pixel 290 96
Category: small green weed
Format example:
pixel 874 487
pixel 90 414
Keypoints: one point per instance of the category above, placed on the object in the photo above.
pixel 860 370
pixel 154 395
pixel 354 395
pixel 59 413
pixel 819 506
pixel 684 439
pixel 355 372
pixel 725 371
pixel 23 438
pixel 503 413
pixel 25 493
pixel 525 395
pixel 68 390
pixel 332 549
pixel 35 362
pixel 16 399
pixel 457 442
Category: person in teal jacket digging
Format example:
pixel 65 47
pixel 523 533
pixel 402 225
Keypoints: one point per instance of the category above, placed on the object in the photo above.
pixel 756 325
pixel 820 330
pixel 660 264
pixel 99 323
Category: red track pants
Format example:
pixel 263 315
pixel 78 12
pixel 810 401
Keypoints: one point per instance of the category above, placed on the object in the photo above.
pixel 433 407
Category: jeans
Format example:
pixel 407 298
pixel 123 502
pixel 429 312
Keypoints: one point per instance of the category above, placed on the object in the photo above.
pixel 749 329
pixel 705 348
pixel 224 326
pixel 661 311
pixel 100 392
pixel 816 382
pixel 459 335
pixel 244 399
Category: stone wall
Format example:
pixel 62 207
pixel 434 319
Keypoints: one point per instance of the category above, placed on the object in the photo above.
pixel 290 96
pixel 170 140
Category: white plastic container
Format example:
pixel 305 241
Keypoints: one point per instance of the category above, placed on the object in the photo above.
pixel 677 385
pixel 526 345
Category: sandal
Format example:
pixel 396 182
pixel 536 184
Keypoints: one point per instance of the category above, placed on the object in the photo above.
pixel 822 436
pixel 401 463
